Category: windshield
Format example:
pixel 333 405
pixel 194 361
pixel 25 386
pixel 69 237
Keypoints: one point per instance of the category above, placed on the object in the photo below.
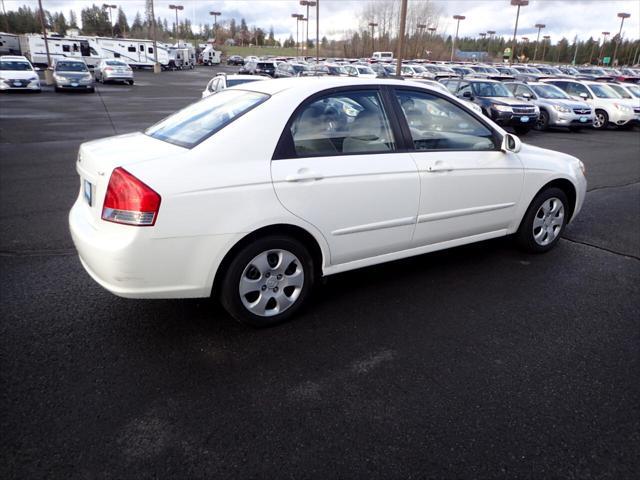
pixel 621 91
pixel 635 90
pixel 365 71
pixel 603 91
pixel 71 67
pixel 548 91
pixel 486 89
pixel 200 120
pixel 15 65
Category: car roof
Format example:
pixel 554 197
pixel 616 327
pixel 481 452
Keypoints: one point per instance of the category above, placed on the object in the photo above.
pixel 311 85
pixel 18 58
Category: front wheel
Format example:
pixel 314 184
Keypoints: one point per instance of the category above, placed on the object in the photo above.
pixel 544 221
pixel 543 121
pixel 268 281
pixel 601 120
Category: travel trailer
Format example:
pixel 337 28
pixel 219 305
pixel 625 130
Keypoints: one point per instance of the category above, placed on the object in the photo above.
pixel 383 56
pixel 136 53
pixel 181 58
pixel 210 56
pixel 9 44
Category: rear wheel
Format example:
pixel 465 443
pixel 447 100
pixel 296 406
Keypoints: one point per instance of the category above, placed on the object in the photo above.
pixel 268 281
pixel 543 121
pixel 544 221
pixel 601 120
pixel 131 82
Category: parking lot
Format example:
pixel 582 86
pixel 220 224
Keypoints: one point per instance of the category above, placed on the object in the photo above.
pixel 475 362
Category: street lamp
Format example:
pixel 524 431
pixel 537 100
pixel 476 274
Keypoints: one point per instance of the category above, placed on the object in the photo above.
pixel 516 3
pixel 109 7
pixel 215 16
pixel 373 26
pixel 539 26
pixel 176 8
pixel 545 40
pixel 622 16
pixel 432 30
pixel 420 27
pixel 453 44
pixel 604 40
pixel 307 3
pixel 297 16
pixel 525 41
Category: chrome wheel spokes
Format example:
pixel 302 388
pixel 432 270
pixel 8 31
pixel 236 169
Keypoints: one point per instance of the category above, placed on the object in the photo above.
pixel 547 224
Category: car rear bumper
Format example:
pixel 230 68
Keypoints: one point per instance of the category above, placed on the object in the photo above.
pixel 130 262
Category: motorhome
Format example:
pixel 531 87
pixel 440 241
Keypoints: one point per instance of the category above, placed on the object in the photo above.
pixel 9 44
pixel 135 52
pixel 210 56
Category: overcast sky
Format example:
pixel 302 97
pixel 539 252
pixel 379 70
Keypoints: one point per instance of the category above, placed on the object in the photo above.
pixel 563 17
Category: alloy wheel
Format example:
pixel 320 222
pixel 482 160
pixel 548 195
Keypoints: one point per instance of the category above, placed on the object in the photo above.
pixel 271 282
pixel 547 224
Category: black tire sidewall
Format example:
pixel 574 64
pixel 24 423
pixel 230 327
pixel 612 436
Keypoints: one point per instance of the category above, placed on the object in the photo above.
pixel 230 298
pixel 544 121
pixel 605 123
pixel 524 235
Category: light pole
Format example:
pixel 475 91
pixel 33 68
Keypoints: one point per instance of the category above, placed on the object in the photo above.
pixel 373 26
pixel 539 26
pixel 545 40
pixel 297 16
pixel 517 3
pixel 403 24
pixel 48 74
pixel 491 33
pixel 110 8
pixel 307 3
pixel 453 44
pixel 215 16
pixel 176 8
pixel 420 27
pixel 604 40
pixel 525 41
pixel 317 32
pixel 622 16
pixel 156 65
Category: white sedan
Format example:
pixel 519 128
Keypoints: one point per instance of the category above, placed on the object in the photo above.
pixel 334 174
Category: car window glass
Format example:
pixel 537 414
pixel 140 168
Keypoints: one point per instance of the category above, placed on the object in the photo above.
pixel 464 88
pixel 342 123
pixel 521 90
pixel 576 89
pixel 438 124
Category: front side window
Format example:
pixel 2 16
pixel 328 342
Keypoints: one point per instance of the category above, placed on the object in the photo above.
pixel 576 89
pixel 438 124
pixel 342 123
pixel 521 90
pixel 200 120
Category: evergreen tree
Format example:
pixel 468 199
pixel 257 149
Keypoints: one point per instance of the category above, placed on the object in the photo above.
pixel 122 26
pixel 73 19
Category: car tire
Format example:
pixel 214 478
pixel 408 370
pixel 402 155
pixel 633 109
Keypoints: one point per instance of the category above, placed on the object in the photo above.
pixel 543 121
pixel 601 120
pixel 521 131
pixel 280 268
pixel 56 89
pixel 544 221
pixel 92 90
pixel 131 82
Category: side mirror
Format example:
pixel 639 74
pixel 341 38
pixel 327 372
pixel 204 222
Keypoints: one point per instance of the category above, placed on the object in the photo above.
pixel 584 95
pixel 467 94
pixel 526 95
pixel 511 143
pixel 351 74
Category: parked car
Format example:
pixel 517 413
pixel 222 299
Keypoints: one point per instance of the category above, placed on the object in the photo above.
pixel 17 73
pixel 223 81
pixel 359 71
pixel 235 60
pixel 439 86
pixel 109 70
pixel 630 94
pixel 285 70
pixel 415 71
pixel 71 74
pixel 383 69
pixel 557 109
pixel 336 70
pixel 317 190
pixel 608 106
pixel 497 102
pixel 265 68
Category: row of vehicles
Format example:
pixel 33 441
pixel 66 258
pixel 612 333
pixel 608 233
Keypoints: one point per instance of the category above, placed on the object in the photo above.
pixel 520 96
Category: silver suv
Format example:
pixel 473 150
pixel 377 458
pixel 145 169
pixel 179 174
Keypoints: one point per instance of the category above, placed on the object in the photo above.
pixel 557 109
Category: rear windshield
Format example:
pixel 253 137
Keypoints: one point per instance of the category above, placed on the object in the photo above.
pixel 266 65
pixel 195 123
pixel 239 81
pixel 15 65
pixel 114 63
pixel 71 67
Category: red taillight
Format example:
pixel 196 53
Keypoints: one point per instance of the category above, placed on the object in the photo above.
pixel 130 201
pixel 108 69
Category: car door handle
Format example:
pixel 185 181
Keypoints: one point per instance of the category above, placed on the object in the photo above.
pixel 439 167
pixel 304 175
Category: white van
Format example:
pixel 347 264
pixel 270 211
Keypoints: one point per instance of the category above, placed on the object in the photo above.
pixel 383 56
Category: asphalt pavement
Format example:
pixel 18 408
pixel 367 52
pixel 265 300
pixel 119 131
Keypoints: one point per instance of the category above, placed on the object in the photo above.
pixel 476 362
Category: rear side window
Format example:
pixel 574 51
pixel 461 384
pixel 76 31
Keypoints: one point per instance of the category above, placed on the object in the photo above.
pixel 342 123
pixel 200 120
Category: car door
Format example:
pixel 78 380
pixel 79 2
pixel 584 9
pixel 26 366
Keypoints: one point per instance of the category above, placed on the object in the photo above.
pixel 339 166
pixel 469 187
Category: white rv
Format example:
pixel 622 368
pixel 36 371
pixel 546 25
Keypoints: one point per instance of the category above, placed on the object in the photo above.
pixel 210 56
pixel 181 58
pixel 33 47
pixel 9 44
pixel 383 56
pixel 135 52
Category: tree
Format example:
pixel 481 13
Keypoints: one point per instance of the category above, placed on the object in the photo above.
pixel 271 41
pixel 59 23
pixel 324 43
pixel 73 19
pixel 122 26
pixel 233 28
pixel 95 21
